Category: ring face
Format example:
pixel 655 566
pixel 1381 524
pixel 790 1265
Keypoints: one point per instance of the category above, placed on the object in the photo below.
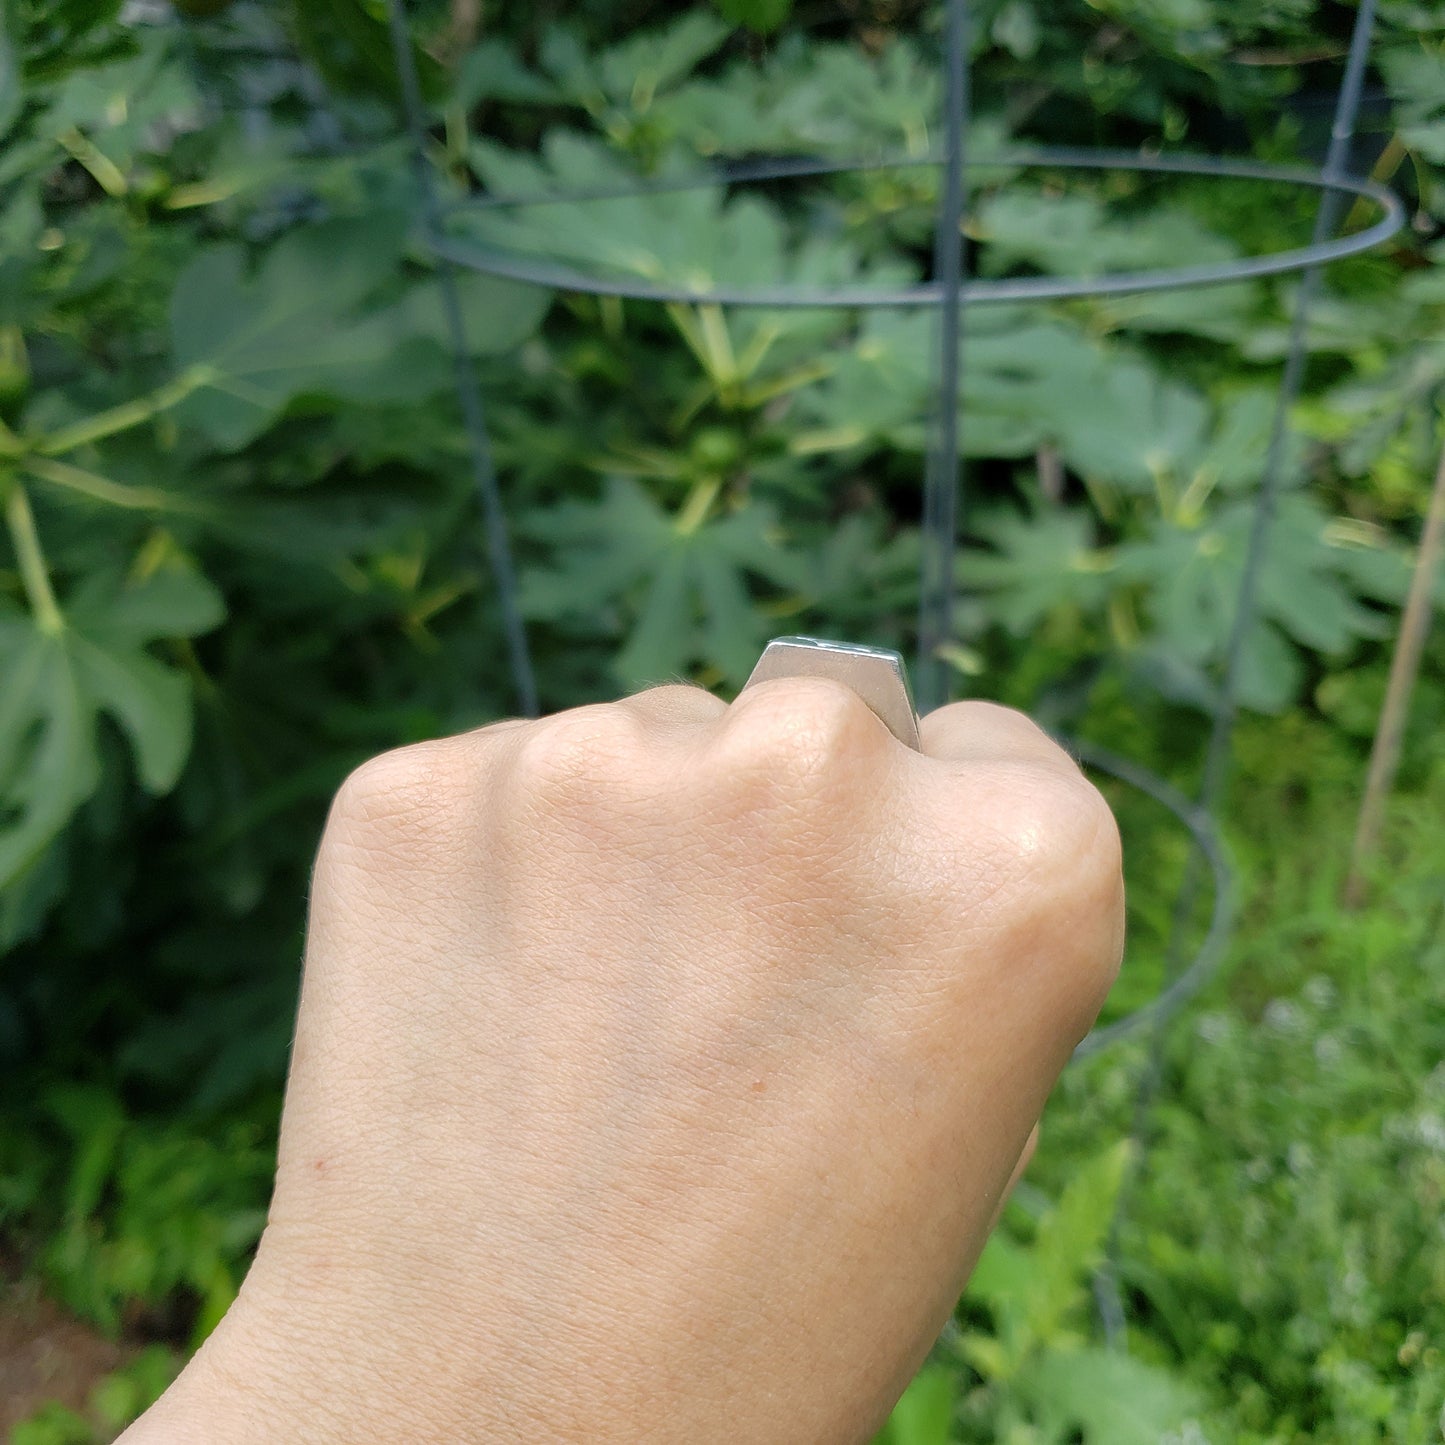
pixel 876 674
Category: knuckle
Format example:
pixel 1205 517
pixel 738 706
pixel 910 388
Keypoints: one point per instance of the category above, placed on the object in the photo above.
pixel 575 754
pixel 799 730
pixel 388 784
pixel 675 697
pixel 1052 818
pixel 393 798
pixel 1023 731
pixel 1068 858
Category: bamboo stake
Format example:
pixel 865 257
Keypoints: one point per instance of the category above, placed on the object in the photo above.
pixel 1404 667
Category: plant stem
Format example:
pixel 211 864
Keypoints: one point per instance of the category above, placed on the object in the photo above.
pixel 128 414
pixel 697 506
pixel 90 484
pixel 33 572
pixel 717 340
pixel 1391 158
pixel 1404 667
pixel 104 171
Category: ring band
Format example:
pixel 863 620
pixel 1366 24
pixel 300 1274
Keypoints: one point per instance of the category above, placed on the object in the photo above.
pixel 876 674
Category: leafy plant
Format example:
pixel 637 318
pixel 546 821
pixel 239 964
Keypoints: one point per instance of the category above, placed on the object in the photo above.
pixel 114 1402
pixel 146 1214
pixel 925 1414
pixel 242 552
pixel 1043 1381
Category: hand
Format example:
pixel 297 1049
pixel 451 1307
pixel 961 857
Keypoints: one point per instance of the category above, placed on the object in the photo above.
pixel 659 1070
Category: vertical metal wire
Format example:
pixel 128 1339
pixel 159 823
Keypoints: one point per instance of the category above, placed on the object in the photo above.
pixel 484 471
pixel 1342 132
pixel 943 483
pixel 1216 760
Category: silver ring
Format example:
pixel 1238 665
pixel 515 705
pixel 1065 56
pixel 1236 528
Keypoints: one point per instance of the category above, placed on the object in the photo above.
pixel 876 674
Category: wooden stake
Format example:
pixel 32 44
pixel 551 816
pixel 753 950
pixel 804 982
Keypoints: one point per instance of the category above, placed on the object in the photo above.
pixel 1404 668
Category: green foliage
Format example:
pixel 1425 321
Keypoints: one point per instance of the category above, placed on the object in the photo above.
pixel 1042 1381
pixel 53 1425
pixel 925 1414
pixel 69 664
pixel 1316 1286
pixel 243 551
pixel 1029 1374
pixel 691 571
pixel 114 1402
pixel 1281 1246
pixel 1032 1294
pixel 147 1215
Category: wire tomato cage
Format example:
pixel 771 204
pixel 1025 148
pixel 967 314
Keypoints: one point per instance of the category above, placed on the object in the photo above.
pixel 952 294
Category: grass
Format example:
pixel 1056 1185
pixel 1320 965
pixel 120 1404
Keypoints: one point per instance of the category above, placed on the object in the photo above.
pixel 1281 1244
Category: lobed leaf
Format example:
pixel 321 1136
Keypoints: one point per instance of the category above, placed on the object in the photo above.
pixel 59 683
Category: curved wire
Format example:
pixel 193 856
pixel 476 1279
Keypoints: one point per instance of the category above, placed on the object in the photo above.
pixel 950 291
pixel 1210 850
pixel 973 291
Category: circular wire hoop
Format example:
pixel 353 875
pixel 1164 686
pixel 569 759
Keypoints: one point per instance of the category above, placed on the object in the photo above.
pixel 1204 834
pixel 972 291
pixel 1196 821
pixel 950 292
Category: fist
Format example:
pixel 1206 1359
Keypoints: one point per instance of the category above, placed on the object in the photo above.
pixel 659 1069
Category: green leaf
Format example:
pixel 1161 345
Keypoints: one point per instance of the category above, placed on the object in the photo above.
pixel 496 314
pixel 63 37
pixel 172 602
pixel 349 43
pixel 1415 77
pixel 1131 427
pixel 1039 563
pixel 95 1121
pixel 1079 235
pixel 1016 28
pixel 151 702
pixel 631 74
pixel 925 1414
pixel 10 94
pixel 299 324
pixel 1025 382
pixel 1112 1398
pixel 863 573
pixel 48 763
pixel 682 592
pixel 1033 1294
pixel 494 71
pixel 695 236
pixel 828 99
pixel 641 67
pixel 128 1392
pixel 1192 575
pixel 760 16
pixel 58 685
pixel 255 341
pixel 53 1424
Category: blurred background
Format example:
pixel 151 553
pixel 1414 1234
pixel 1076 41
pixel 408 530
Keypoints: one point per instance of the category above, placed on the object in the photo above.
pixel 243 551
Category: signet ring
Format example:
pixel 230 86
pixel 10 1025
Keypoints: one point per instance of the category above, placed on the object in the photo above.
pixel 876 674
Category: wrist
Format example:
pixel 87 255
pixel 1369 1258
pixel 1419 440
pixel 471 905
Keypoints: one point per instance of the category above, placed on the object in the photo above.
pixel 293 1363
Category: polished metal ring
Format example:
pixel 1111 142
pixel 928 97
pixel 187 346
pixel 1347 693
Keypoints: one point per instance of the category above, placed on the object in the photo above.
pixel 876 674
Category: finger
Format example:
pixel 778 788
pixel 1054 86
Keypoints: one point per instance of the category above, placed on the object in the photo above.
pixel 674 706
pixel 815 711
pixel 984 732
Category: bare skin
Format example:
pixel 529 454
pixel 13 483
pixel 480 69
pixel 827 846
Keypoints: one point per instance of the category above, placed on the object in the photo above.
pixel 660 1069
